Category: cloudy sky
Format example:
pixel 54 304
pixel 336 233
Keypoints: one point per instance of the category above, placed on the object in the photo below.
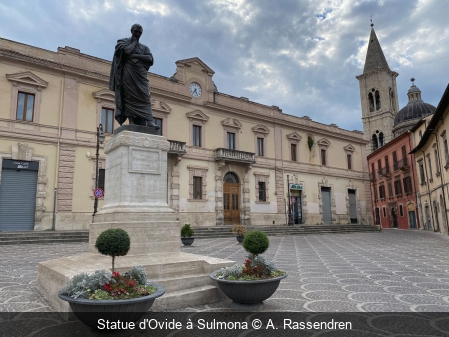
pixel 301 55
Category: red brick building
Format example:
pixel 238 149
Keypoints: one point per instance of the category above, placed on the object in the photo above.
pixel 394 184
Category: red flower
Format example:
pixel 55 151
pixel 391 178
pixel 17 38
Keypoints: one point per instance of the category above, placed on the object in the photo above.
pixel 107 287
pixel 116 274
pixel 132 283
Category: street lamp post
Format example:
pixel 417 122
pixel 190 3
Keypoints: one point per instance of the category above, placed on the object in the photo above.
pixel 100 140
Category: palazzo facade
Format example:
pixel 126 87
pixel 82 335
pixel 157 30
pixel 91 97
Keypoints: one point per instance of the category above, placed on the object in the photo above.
pixel 229 157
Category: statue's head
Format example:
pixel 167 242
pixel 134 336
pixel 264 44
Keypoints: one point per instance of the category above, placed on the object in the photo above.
pixel 136 30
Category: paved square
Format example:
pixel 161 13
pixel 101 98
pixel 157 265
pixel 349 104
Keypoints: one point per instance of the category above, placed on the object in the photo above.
pixel 394 271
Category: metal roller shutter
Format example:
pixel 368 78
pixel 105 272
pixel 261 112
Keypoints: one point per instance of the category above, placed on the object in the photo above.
pixel 17 200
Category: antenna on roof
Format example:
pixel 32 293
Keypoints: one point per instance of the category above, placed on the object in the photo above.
pixel 372 24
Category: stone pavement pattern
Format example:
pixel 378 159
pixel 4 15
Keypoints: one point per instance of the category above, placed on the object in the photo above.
pixel 391 271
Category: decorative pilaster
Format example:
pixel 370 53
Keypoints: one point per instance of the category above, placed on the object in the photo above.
pixel 246 198
pixel 219 194
pixel 174 186
pixel 65 178
pixel 280 190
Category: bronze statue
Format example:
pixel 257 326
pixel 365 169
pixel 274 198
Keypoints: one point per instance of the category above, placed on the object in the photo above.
pixel 129 80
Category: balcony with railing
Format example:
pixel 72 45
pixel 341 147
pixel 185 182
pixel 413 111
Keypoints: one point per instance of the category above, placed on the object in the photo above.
pixel 384 172
pixel 177 147
pixel 403 164
pixel 235 156
pixel 372 176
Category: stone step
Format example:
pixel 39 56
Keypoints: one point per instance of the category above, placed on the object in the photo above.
pixel 42 241
pixel 184 282
pixel 187 298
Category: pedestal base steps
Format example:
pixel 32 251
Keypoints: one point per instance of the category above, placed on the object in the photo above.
pixel 184 276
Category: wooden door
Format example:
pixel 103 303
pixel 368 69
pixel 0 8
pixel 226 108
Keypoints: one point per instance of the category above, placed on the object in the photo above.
pixel 231 203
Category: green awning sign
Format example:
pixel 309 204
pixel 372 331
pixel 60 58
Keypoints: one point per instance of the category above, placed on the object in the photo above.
pixel 297 187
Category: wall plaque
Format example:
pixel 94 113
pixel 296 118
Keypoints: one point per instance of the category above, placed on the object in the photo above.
pixel 144 160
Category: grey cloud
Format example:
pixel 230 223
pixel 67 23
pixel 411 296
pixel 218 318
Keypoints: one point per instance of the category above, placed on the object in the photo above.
pixel 302 56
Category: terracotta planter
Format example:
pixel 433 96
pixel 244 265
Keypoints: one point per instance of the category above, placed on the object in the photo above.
pixel 131 310
pixel 187 241
pixel 248 292
pixel 240 238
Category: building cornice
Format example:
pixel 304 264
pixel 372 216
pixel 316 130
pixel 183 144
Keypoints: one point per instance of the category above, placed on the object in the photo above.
pixel 386 69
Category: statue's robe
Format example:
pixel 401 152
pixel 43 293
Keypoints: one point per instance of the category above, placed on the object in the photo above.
pixel 129 81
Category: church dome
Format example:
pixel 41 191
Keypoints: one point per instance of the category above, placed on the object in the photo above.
pixel 415 108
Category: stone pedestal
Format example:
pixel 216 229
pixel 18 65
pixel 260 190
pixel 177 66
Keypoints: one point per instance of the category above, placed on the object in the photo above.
pixel 136 201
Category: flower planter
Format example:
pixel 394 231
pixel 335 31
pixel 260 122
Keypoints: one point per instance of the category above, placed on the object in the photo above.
pixel 187 241
pixel 240 238
pixel 130 310
pixel 248 292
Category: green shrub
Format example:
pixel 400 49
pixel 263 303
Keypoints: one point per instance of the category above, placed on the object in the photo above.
pixel 186 231
pixel 256 242
pixel 113 242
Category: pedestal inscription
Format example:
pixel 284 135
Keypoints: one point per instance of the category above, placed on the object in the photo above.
pixel 144 161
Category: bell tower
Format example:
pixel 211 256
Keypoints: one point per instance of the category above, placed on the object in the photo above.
pixel 378 95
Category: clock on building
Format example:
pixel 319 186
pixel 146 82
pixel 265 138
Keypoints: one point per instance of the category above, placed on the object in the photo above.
pixel 195 89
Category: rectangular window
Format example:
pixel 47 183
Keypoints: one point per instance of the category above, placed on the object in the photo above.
pixel 421 173
pixel 101 176
pixel 196 137
pixel 260 148
pixel 197 187
pixel 379 168
pixel 262 191
pixel 349 160
pixel 382 192
pixel 437 162
pixel 25 107
pixel 390 190
pixel 231 141
pixel 387 165
pixel 404 152
pixel 401 210
pixel 107 120
pixel 375 192
pixel 384 210
pixel 446 151
pixel 293 151
pixel 158 122
pixel 323 157
pixel 407 185
pixel 397 187
pixel 430 167
pixel 395 162
pixel 372 168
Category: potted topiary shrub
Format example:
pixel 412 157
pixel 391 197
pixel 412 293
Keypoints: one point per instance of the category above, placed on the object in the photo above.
pixel 111 296
pixel 187 235
pixel 239 231
pixel 256 279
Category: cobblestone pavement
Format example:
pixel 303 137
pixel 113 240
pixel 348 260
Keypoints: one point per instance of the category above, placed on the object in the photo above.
pixel 391 271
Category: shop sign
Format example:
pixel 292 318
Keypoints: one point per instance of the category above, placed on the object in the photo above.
pixel 297 187
pixel 20 165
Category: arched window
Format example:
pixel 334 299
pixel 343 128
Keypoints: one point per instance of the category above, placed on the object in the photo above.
pixel 371 102
pixel 375 144
pixel 381 139
pixel 231 177
pixel 377 100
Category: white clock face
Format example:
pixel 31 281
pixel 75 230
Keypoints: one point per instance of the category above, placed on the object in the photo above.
pixel 195 89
